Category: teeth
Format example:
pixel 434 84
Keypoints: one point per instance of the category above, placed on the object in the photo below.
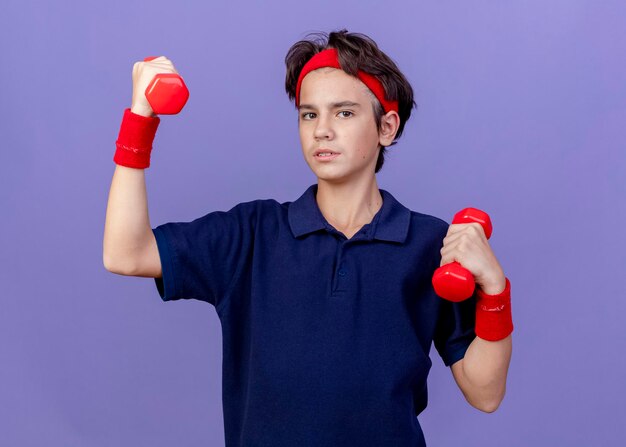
pixel 324 154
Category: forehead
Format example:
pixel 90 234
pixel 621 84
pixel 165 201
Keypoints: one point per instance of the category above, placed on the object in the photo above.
pixel 328 83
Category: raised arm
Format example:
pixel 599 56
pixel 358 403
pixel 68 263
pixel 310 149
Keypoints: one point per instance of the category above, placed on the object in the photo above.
pixel 129 245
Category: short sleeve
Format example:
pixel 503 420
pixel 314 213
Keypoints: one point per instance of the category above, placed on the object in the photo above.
pixel 455 329
pixel 203 258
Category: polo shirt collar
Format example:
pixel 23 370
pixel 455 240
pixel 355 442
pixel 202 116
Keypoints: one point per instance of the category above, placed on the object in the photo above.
pixel 391 222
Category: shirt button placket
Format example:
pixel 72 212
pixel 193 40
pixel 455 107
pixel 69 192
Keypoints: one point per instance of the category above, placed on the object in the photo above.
pixel 341 272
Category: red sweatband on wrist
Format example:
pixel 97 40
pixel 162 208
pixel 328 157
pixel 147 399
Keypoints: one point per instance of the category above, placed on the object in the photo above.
pixel 134 142
pixel 493 314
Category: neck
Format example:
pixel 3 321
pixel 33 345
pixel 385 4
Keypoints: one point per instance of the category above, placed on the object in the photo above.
pixel 349 205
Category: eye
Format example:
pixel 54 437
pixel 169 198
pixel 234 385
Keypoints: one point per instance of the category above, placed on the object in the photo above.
pixel 346 111
pixel 306 113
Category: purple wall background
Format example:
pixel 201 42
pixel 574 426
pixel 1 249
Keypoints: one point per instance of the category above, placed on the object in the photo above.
pixel 521 112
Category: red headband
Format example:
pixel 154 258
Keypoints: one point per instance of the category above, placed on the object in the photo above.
pixel 328 58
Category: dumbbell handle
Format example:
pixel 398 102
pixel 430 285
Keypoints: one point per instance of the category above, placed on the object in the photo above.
pixel 452 281
pixel 167 93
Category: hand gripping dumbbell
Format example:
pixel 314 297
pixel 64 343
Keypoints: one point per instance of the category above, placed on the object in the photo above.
pixel 453 281
pixel 166 93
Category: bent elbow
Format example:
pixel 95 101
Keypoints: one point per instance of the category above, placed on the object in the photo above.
pixel 488 407
pixel 116 267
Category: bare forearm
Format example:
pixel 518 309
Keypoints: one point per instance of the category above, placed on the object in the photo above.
pixel 485 369
pixel 127 227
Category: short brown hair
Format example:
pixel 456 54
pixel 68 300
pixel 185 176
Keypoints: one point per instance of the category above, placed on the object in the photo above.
pixel 356 52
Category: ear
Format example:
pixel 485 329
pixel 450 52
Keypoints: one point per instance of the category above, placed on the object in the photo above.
pixel 389 124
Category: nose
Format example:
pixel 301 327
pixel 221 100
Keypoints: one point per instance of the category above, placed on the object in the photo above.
pixel 323 129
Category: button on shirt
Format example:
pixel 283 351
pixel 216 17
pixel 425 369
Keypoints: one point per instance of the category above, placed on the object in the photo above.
pixel 326 339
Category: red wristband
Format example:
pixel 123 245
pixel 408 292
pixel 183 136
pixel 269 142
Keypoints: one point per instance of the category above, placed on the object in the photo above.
pixel 134 142
pixel 493 314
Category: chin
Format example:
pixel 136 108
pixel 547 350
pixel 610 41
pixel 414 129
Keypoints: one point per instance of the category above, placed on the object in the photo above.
pixel 335 177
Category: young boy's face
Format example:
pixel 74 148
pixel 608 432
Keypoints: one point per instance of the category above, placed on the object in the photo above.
pixel 349 130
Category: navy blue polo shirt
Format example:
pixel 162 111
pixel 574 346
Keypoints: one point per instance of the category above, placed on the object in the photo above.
pixel 326 339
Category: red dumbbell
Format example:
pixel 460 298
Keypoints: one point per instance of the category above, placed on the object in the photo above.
pixel 453 281
pixel 166 93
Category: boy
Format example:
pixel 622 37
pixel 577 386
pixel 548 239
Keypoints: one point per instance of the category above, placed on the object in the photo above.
pixel 326 303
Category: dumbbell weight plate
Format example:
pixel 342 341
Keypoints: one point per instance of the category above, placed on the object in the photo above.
pixel 167 93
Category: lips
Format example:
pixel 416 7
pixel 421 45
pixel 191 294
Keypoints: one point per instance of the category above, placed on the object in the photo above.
pixel 321 151
pixel 326 158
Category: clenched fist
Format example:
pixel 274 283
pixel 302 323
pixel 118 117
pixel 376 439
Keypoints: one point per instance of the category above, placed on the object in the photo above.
pixel 467 244
pixel 143 73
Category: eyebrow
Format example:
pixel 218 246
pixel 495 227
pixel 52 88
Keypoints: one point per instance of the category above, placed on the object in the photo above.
pixel 333 105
